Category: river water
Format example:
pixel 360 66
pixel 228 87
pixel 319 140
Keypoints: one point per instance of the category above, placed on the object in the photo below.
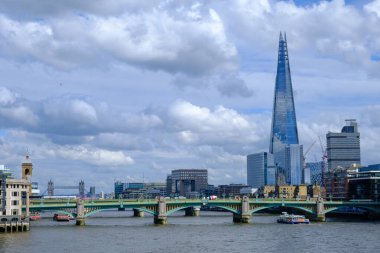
pixel 119 232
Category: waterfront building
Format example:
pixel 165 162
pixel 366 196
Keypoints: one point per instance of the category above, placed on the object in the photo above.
pixel 119 188
pixel 284 191
pixel 189 181
pixel 261 169
pixel 13 193
pixel 211 190
pixel 372 167
pixel 230 190
pixel 343 149
pixel 336 182
pixel 365 185
pixel 291 191
pixel 284 143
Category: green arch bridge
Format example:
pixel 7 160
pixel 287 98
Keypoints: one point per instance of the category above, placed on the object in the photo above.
pixel 242 209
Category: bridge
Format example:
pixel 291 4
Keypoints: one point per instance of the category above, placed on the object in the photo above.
pixel 161 208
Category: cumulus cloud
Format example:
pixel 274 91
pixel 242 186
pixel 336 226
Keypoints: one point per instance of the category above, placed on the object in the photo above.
pixel 97 157
pixel 154 40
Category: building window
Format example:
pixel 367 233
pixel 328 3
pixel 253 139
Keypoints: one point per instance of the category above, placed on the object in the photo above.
pixel 15 202
pixel 14 194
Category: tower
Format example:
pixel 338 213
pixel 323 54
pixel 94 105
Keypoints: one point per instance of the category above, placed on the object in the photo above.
pixel 343 149
pixel 27 168
pixel 284 144
pixel 260 169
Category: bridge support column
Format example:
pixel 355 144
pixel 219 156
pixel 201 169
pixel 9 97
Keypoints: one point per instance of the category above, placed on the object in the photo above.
pixel 161 218
pixel 192 211
pixel 138 213
pixel 27 212
pixel 244 216
pixel 320 208
pixel 80 220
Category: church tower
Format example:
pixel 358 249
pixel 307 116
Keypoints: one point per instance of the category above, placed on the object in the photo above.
pixel 27 168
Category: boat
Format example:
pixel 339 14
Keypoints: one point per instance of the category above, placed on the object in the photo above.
pixel 34 216
pixel 61 217
pixel 292 219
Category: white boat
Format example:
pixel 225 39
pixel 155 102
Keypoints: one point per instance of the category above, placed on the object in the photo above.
pixel 292 219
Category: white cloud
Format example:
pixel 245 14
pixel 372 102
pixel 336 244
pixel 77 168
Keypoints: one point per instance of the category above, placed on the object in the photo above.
pixel 97 157
pixel 7 97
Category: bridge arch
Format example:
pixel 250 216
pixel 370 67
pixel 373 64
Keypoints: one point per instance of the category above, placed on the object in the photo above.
pixel 72 215
pixel 298 208
pixel 180 208
pixel 227 208
pixel 367 208
pixel 92 212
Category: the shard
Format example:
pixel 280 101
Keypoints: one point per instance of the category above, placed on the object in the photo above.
pixel 284 144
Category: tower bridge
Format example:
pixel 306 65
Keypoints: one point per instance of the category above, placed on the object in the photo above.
pixel 161 208
pixel 80 187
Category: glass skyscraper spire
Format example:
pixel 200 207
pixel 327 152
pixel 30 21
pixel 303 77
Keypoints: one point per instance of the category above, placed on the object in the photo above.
pixel 284 143
pixel 284 124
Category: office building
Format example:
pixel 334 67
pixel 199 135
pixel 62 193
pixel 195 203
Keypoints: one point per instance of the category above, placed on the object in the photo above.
pixel 92 192
pixel 260 169
pixel 315 169
pixel 343 149
pixel 231 190
pixel 119 188
pixel 189 181
pixel 284 144
pixel 365 185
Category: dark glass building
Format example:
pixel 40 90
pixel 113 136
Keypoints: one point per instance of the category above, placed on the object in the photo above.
pixel 284 144
pixel 343 149
pixel 186 182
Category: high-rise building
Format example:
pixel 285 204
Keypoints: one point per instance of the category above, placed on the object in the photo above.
pixel 315 169
pixel 284 144
pixel 188 181
pixel 343 149
pixel 261 169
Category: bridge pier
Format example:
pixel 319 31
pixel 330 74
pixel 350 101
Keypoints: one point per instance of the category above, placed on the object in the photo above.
pixel 192 211
pixel 320 208
pixel 80 220
pixel 244 216
pixel 138 213
pixel 161 218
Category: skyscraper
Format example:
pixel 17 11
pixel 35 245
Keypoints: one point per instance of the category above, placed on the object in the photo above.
pixel 284 143
pixel 343 149
pixel 260 170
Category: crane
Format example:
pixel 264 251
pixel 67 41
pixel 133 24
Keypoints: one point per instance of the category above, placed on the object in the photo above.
pixel 307 151
pixel 324 157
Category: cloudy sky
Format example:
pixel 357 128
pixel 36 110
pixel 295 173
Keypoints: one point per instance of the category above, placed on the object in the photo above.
pixel 108 90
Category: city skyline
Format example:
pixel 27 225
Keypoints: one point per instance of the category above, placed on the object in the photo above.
pixel 103 91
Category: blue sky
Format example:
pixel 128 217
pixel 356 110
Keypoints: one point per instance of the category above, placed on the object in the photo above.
pixel 105 90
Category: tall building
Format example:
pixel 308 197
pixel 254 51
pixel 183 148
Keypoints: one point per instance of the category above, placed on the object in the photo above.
pixel 343 149
pixel 188 181
pixel 284 144
pixel 260 170
pixel 315 169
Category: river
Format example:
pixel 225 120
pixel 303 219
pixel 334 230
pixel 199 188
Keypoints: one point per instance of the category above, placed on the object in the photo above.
pixel 119 232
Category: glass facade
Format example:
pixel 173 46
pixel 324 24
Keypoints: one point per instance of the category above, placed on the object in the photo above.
pixel 284 144
pixel 343 149
pixel 315 172
pixel 284 123
pixel 260 169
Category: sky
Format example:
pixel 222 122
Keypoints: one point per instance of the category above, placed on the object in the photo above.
pixel 109 90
